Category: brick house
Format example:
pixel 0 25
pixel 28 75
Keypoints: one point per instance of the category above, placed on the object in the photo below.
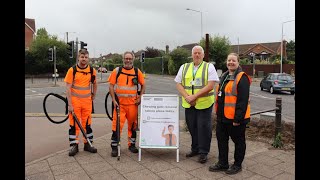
pixel 29 32
pixel 262 51
pixel 138 54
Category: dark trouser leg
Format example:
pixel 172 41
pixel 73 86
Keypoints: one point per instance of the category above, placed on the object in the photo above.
pixel 72 136
pixel 238 137
pixel 191 117
pixel 223 140
pixel 132 138
pixel 89 131
pixel 204 124
pixel 114 139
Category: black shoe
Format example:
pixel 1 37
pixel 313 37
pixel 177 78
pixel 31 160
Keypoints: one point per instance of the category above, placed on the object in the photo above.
pixel 73 150
pixel 234 169
pixel 218 167
pixel 114 152
pixel 203 158
pixel 191 154
pixel 88 148
pixel 133 148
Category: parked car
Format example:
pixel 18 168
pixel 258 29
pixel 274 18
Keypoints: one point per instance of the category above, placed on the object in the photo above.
pixel 104 70
pixel 274 82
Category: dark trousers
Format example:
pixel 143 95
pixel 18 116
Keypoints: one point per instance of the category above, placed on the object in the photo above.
pixel 237 134
pixel 199 123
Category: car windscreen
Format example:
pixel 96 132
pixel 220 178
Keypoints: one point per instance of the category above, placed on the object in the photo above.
pixel 285 77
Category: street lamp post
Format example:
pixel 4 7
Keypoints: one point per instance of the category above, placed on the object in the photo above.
pixel 101 66
pixel 68 34
pixel 201 17
pixel 282 44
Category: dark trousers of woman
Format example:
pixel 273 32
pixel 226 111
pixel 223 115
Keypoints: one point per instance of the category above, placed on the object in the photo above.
pixel 199 124
pixel 237 134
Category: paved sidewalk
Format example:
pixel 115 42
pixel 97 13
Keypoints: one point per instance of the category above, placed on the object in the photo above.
pixel 261 162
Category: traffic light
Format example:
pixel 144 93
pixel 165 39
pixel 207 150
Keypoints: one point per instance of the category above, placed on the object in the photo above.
pixel 142 56
pixel 50 54
pixel 70 48
pixel 83 45
pixel 252 54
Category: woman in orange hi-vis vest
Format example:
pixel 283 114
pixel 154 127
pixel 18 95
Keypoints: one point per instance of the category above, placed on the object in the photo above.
pixel 80 99
pixel 233 113
pixel 125 86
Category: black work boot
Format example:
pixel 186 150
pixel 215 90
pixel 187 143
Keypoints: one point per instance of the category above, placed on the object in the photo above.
pixel 218 167
pixel 191 154
pixel 88 148
pixel 73 150
pixel 133 148
pixel 114 152
pixel 234 169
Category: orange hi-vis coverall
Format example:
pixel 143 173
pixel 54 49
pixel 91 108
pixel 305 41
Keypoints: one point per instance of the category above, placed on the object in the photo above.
pixel 127 93
pixel 81 102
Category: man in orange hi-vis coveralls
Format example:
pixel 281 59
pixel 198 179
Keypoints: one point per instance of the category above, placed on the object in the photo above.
pixel 125 86
pixel 80 97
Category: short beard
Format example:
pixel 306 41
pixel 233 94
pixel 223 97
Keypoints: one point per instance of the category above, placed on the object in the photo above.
pixel 128 66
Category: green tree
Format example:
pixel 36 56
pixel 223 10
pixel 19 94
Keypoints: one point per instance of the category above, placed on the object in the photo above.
pixel 117 59
pixel 219 48
pixel 244 61
pixel 36 60
pixel 291 50
pixel 42 33
pixel 178 57
pixel 152 52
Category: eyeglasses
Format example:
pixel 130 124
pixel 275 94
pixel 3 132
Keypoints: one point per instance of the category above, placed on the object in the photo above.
pixel 128 58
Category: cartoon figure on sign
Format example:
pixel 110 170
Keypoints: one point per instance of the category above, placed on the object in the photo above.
pixel 170 138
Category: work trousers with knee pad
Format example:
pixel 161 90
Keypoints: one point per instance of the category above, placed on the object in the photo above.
pixel 82 108
pixel 130 113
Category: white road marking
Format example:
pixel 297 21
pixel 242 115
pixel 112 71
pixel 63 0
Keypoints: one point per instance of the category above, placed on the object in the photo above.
pixel 34 95
pixel 260 96
pixel 31 90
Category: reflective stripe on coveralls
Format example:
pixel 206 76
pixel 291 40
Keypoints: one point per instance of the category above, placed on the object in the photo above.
pixel 127 94
pixel 82 105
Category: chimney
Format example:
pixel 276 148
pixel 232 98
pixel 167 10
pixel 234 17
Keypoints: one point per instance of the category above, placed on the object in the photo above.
pixel 167 49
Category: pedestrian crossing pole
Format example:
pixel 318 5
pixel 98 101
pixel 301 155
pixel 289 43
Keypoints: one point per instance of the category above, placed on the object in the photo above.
pixel 54 65
pixel 77 50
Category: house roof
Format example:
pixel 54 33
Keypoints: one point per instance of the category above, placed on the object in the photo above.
pixel 108 56
pixel 138 53
pixel 189 46
pixel 30 23
pixel 244 48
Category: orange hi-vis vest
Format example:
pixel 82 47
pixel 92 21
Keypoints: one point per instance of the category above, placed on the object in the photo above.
pixel 81 84
pixel 231 97
pixel 124 88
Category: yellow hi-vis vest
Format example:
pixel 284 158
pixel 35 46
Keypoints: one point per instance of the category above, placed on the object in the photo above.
pixel 196 82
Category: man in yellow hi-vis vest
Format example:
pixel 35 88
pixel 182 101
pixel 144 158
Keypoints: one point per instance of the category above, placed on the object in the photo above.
pixel 195 82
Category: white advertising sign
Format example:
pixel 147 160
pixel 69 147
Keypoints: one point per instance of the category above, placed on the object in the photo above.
pixel 159 121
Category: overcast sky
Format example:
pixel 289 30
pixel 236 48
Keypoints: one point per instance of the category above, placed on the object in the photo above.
pixel 115 26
